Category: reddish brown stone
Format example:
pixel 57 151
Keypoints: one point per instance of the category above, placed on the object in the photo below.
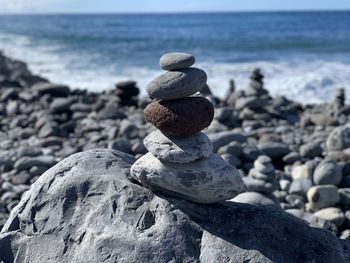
pixel 182 117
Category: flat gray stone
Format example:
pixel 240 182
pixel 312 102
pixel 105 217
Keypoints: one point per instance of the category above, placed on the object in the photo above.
pixel 274 150
pixel 85 209
pixel 177 84
pixel 174 61
pixel 177 149
pixel 203 181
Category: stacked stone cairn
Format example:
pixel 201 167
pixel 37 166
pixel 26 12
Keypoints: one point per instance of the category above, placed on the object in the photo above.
pixel 261 181
pixel 339 101
pixel 127 91
pixel 180 161
pixel 255 98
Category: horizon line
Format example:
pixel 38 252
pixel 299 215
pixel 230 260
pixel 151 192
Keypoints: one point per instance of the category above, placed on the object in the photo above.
pixel 177 12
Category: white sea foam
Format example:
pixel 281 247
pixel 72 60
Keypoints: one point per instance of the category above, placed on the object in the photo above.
pixel 303 80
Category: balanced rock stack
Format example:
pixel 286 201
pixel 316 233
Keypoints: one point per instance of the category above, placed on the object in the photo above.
pixel 260 183
pixel 127 92
pixel 262 177
pixel 255 96
pixel 180 161
pixel 339 101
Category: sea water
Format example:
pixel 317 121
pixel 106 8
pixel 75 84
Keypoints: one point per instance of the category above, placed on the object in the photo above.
pixel 304 56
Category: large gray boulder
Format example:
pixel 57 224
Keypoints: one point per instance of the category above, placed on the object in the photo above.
pixel 85 209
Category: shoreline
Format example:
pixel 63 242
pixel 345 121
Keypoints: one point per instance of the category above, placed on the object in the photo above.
pixel 42 123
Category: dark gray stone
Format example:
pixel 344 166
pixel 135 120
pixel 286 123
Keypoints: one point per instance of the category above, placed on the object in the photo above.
pixel 86 209
pixel 311 150
pixel 275 150
pixel 292 157
pixel 51 89
pixel 60 105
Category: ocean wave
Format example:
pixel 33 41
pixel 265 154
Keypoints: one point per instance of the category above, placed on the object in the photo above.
pixel 303 80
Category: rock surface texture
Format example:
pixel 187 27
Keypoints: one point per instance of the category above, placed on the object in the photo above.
pixel 85 209
pixel 181 162
pixel 182 117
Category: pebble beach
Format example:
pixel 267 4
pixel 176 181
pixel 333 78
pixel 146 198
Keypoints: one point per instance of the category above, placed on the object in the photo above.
pixel 290 156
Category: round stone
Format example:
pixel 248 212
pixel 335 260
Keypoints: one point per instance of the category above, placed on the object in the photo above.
pixel 178 84
pixel 327 172
pixel 180 118
pixel 176 149
pixel 322 196
pixel 331 214
pixel 174 61
pixel 203 181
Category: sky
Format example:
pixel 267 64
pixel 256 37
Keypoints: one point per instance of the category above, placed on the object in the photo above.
pixel 160 6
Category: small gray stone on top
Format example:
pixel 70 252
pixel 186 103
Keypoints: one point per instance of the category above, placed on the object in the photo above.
pixel 177 149
pixel 177 84
pixel 174 61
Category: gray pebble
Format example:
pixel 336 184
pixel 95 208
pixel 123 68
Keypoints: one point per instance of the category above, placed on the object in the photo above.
pixel 177 84
pixel 174 61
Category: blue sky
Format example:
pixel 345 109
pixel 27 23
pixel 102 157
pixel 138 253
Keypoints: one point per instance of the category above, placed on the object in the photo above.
pixel 141 6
